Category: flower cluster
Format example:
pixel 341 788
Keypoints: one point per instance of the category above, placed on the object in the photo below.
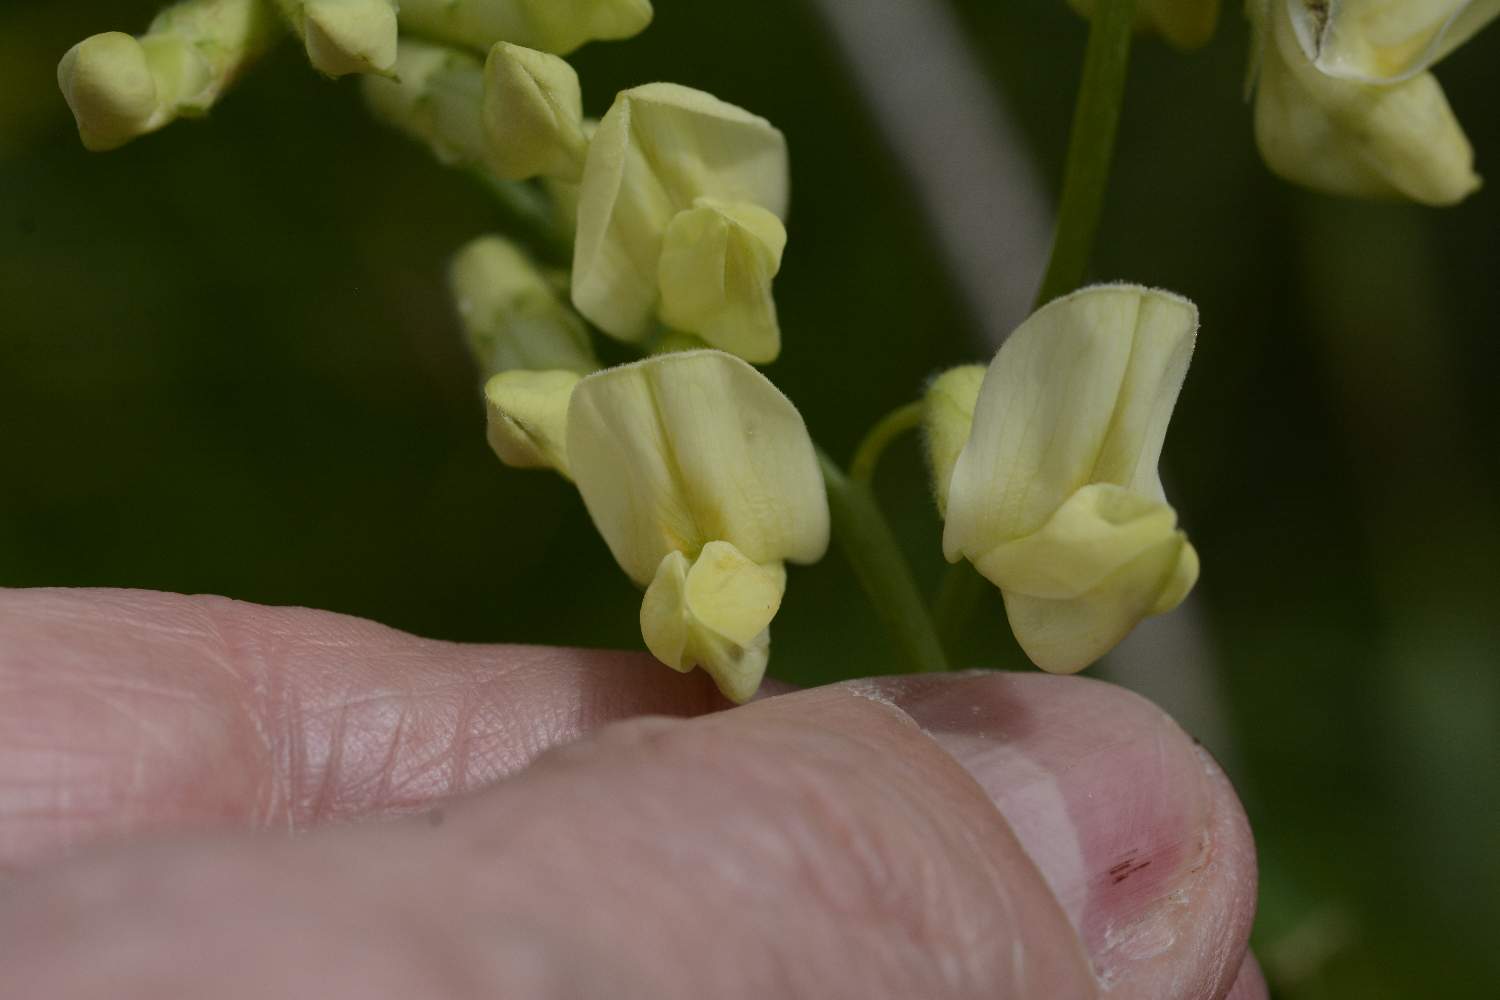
pixel 697 471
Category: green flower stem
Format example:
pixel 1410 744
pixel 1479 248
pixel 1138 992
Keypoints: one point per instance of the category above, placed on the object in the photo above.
pixel 890 427
pixel 957 597
pixel 1096 118
pixel 867 542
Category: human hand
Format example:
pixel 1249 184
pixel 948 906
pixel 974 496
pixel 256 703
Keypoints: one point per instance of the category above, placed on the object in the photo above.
pixel 189 789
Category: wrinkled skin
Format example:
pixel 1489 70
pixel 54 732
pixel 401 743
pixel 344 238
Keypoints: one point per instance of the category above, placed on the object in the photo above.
pixel 205 798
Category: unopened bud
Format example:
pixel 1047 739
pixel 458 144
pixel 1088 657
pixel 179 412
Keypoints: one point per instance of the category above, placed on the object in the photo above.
pixel 434 95
pixel 947 418
pixel 120 87
pixel 528 418
pixel 345 36
pixel 533 114
pixel 511 315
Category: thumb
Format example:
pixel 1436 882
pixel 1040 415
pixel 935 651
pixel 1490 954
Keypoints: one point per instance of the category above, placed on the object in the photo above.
pixel 820 844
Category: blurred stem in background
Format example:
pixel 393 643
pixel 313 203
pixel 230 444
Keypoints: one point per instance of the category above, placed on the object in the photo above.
pixel 1091 147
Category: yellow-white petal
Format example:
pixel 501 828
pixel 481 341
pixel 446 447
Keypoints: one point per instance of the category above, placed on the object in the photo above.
pixel 717 263
pixel 1080 393
pixel 658 150
pixel 120 87
pixel 1350 138
pixel 533 114
pixel 557 26
pixel 1384 41
pixel 511 316
pixel 1187 24
pixel 683 449
pixel 714 612
pixel 947 418
pixel 528 417
pixel 1097 531
pixel 1064 636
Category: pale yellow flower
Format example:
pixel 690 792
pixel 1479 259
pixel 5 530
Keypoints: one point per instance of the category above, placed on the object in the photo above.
pixel 1055 496
pixel 665 151
pixel 702 479
pixel 1346 137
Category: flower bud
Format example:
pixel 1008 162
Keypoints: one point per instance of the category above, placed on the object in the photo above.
pixel 120 87
pixel 675 453
pixel 434 95
pixel 557 26
pixel 717 262
pixel 947 418
pixel 661 148
pixel 1384 41
pixel 714 612
pixel 1055 496
pixel 1359 139
pixel 1187 24
pixel 345 36
pixel 511 316
pixel 528 418
pixel 533 114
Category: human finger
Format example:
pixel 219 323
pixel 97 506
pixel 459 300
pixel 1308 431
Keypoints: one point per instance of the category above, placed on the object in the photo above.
pixel 131 711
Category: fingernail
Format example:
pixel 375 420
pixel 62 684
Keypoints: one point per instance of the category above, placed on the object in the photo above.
pixel 1106 794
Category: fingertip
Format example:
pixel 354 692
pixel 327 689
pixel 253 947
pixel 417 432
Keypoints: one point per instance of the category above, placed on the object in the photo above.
pixel 1136 829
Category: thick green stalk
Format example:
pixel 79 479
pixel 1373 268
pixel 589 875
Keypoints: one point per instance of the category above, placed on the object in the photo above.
pixel 867 542
pixel 1096 117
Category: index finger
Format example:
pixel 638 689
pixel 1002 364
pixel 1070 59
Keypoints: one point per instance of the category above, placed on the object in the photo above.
pixel 131 711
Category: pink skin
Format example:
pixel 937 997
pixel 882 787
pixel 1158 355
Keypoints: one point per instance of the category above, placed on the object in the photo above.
pixel 963 836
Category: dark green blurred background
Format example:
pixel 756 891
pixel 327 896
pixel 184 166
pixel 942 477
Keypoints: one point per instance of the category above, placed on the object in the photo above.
pixel 228 364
